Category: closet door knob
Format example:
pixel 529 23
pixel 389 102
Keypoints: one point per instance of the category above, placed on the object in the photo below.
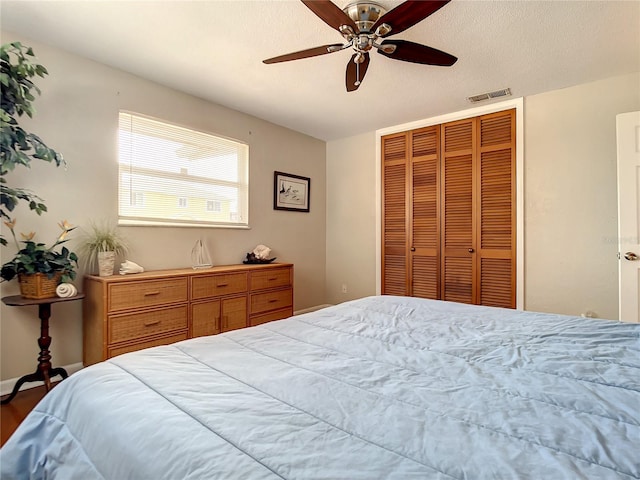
pixel 471 250
pixel 413 249
pixel 630 256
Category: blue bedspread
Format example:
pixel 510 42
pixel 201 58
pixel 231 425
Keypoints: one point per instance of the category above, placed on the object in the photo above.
pixel 377 388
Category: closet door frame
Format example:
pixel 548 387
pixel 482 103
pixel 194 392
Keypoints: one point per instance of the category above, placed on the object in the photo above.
pixel 518 105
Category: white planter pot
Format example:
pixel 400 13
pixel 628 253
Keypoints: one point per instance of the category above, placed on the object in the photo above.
pixel 106 262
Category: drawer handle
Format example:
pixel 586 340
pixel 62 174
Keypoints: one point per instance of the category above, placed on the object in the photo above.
pixel 223 285
pixel 148 294
pixel 273 300
pixel 273 279
pixel 152 323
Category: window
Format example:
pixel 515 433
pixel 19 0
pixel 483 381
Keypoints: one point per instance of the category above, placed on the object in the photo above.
pixel 171 175
pixel 137 199
pixel 214 206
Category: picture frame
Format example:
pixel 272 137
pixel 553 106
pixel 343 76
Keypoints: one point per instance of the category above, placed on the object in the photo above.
pixel 291 192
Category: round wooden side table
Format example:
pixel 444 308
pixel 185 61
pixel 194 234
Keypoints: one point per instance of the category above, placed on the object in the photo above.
pixel 44 371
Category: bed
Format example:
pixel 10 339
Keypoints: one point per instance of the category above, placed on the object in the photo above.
pixel 377 388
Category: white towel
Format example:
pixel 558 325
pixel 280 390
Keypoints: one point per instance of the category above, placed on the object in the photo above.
pixel 66 290
pixel 130 267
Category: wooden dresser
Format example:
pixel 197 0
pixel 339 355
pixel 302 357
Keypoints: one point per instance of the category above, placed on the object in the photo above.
pixel 124 313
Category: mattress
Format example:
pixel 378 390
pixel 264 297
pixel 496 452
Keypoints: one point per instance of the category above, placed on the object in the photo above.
pixel 378 388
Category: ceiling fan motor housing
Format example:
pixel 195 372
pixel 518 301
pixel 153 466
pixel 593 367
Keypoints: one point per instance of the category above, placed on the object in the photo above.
pixel 364 14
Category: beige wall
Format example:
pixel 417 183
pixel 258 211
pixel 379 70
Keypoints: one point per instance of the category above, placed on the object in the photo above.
pixel 351 216
pixel 571 260
pixel 570 211
pixel 77 114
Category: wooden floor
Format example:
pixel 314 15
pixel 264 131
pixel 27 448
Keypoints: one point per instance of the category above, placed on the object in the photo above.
pixel 11 415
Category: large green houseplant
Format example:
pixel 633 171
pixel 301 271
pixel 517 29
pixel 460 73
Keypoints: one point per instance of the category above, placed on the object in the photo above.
pixel 18 147
pixel 34 263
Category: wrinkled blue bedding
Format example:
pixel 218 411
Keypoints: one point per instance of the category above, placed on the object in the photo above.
pixel 377 388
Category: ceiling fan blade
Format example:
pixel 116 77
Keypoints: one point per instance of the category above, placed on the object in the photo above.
pixel 407 14
pixel 330 13
pixel 311 52
pixel 416 53
pixel 356 72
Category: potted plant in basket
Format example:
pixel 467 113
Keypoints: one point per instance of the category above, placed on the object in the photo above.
pixel 101 246
pixel 40 269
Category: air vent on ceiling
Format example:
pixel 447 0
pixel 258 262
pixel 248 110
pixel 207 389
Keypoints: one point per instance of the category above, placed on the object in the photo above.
pixel 505 92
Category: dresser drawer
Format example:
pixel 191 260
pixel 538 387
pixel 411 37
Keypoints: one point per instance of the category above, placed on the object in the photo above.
pixel 271 278
pixel 271 316
pixel 263 302
pixel 148 293
pixel 205 286
pixel 145 324
pixel 151 343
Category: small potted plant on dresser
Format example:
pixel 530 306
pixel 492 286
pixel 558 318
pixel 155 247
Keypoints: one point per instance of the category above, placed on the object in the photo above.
pixel 40 269
pixel 101 245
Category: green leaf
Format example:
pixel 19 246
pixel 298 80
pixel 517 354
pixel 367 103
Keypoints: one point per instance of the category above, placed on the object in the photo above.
pixel 18 70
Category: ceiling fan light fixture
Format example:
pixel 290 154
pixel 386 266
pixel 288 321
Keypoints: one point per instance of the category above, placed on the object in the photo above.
pixel 387 48
pixel 336 48
pixel 347 31
pixel 382 30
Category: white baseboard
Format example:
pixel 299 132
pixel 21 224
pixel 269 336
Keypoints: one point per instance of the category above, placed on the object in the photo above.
pixel 312 309
pixel 6 386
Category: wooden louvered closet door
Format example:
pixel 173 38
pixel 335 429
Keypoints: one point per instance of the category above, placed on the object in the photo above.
pixel 424 228
pixel 496 210
pixel 457 214
pixel 410 263
pixel 449 211
pixel 394 214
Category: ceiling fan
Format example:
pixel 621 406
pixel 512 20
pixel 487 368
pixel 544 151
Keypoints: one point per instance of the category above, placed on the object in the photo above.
pixel 363 24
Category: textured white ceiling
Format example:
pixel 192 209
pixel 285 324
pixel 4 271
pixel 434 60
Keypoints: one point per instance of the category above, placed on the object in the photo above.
pixel 214 50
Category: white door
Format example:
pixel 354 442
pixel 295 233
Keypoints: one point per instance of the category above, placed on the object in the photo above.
pixel 628 133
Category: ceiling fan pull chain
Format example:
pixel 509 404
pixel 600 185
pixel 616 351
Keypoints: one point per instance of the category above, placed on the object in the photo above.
pixel 357 83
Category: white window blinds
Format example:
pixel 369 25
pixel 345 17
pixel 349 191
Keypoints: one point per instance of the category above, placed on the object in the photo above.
pixel 169 175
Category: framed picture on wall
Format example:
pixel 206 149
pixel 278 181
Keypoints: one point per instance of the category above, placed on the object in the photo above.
pixel 291 192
